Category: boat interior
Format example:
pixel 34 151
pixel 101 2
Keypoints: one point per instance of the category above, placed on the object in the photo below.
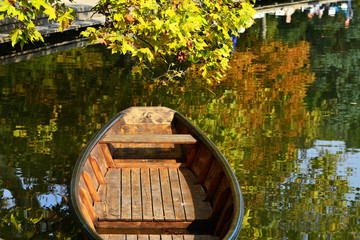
pixel 150 177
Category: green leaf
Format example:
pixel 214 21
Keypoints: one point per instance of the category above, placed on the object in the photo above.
pixel 15 223
pixel 36 220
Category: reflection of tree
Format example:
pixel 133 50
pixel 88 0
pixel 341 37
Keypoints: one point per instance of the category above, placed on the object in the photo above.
pixel 261 121
pixel 315 207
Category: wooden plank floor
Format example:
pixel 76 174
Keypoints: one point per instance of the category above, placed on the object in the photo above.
pixel 151 194
pixel 156 237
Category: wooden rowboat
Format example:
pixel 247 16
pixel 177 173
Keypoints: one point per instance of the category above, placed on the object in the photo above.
pixel 149 173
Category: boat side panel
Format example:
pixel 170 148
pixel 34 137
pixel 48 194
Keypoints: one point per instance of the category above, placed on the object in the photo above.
pixel 98 154
pixel 202 158
pixel 220 170
pixel 89 169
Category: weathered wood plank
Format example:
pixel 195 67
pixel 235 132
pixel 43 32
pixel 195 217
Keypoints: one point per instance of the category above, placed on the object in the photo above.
pixel 95 165
pixel 224 184
pixel 146 195
pixel 143 237
pixel 147 165
pixel 113 197
pixel 126 194
pixel 191 156
pixel 166 195
pixel 136 206
pixel 90 186
pixel 140 152
pixel 147 160
pixel 86 214
pixel 107 155
pixel 86 201
pixel 113 236
pixel 89 169
pixel 145 129
pixel 225 217
pixel 200 237
pixel 166 237
pixel 210 180
pixel 131 237
pixel 204 171
pixel 153 138
pixel 97 153
pixel 203 155
pixel 193 195
pixel 154 237
pixel 156 195
pixel 154 115
pixel 176 194
pixel 151 226
pixel 101 209
pixel 158 237
pixel 177 237
pixel 83 185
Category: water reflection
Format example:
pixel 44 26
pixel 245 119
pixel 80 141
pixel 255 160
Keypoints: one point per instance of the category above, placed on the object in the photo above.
pixel 286 117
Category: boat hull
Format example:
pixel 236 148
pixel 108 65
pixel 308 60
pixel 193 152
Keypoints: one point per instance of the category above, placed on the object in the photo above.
pixel 150 173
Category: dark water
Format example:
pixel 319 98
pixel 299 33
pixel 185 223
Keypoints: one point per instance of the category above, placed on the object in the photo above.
pixel 287 118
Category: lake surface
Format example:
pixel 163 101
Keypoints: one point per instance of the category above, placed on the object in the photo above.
pixel 287 117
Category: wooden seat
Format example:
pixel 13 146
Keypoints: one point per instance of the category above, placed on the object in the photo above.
pixel 156 237
pixel 152 139
pixel 151 198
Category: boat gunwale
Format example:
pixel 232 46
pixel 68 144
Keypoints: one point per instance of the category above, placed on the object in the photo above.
pixel 238 213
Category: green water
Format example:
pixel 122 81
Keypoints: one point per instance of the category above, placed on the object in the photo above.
pixel 287 118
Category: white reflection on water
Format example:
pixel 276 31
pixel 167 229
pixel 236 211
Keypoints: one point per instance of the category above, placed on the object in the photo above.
pixel 49 200
pixel 347 162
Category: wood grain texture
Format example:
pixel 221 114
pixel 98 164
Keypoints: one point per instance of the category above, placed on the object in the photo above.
pixel 191 156
pixel 225 216
pixel 82 184
pixel 176 194
pixel 87 215
pixel 141 115
pixel 131 237
pixel 166 237
pixel 126 194
pixel 214 170
pixel 146 195
pixel 153 138
pixel 141 225
pixel 114 194
pixel 136 202
pixel 97 153
pixel 166 195
pixel 151 194
pixel 148 165
pixel 86 201
pixel 193 195
pixel 203 155
pixel 135 151
pixel 156 195
pixel 204 170
pixel 113 236
pixel 90 186
pixel 89 169
pixel 158 237
pixel 96 168
pixel 143 237
pixel 108 157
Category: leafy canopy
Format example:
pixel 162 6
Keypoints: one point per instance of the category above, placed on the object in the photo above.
pixel 179 30
pixel 26 12
pixel 166 31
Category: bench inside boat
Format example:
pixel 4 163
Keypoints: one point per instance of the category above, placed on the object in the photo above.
pixel 154 181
